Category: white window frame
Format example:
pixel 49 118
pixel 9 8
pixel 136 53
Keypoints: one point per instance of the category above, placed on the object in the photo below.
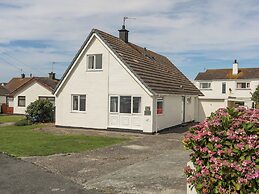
pixel 78 111
pixel 131 111
pixel 201 88
pixel 87 62
pixel 246 83
pixel 160 100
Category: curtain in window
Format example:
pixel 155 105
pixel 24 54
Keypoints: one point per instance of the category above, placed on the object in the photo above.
pixel 75 102
pixel 136 104
pixel 114 104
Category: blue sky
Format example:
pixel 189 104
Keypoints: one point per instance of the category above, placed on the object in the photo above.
pixel 195 34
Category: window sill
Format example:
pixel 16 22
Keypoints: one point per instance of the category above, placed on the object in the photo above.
pixel 82 112
pixel 205 89
pixel 243 88
pixel 94 70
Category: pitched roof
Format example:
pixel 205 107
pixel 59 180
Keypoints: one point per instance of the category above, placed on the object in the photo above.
pixel 3 91
pixel 15 84
pixel 214 74
pixel 154 71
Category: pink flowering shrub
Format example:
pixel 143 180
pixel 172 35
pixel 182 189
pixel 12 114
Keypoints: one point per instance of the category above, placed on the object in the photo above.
pixel 225 152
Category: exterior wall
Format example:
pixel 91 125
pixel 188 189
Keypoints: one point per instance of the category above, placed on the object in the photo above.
pixel 216 89
pixel 173 111
pixel 97 86
pixel 2 101
pixel 214 99
pixel 31 93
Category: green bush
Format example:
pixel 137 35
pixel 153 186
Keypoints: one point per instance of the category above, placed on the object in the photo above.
pixel 23 122
pixel 40 111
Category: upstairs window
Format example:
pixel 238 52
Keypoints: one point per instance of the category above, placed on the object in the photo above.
pixel 159 106
pixel 79 103
pixel 21 101
pixel 94 62
pixel 205 85
pixel 243 85
pixel 224 88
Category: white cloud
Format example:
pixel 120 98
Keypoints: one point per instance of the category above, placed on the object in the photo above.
pixel 220 29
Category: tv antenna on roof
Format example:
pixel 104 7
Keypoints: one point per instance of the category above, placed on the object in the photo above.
pixel 126 18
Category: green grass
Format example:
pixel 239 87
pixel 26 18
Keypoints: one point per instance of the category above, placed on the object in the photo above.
pixel 10 118
pixel 24 141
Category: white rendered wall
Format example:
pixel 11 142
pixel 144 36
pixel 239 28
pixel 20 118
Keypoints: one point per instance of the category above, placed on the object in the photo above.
pixel 98 85
pixel 172 112
pixel 31 93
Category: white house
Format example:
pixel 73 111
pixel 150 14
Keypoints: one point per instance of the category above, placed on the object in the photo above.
pixel 226 88
pixel 112 83
pixel 24 90
pixel 3 93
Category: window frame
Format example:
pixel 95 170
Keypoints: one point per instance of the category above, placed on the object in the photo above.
pixel 223 91
pixel 78 103
pixel 48 98
pixel 209 88
pixel 19 105
pixel 131 111
pixel 160 100
pixel 94 66
pixel 246 84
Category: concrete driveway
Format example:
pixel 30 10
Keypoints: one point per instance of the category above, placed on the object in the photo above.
pixel 17 176
pixel 147 164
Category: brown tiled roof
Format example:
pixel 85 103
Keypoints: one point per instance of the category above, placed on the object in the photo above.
pixel 153 70
pixel 3 91
pixel 214 74
pixel 15 84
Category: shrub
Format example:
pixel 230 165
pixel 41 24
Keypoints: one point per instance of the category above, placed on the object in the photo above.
pixel 40 111
pixel 23 122
pixel 225 149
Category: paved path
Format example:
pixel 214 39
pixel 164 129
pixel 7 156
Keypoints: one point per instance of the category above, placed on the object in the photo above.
pixel 148 164
pixel 20 177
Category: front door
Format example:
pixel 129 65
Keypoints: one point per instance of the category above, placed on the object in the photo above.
pixel 183 109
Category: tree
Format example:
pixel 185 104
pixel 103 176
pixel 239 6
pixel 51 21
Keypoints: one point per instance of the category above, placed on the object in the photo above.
pixel 40 111
pixel 255 96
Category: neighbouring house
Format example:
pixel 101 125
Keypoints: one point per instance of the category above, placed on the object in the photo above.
pixel 24 90
pixel 226 88
pixel 112 83
pixel 3 94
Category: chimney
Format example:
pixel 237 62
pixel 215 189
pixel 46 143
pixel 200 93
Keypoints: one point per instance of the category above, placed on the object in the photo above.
pixel 123 34
pixel 22 75
pixel 235 68
pixel 52 75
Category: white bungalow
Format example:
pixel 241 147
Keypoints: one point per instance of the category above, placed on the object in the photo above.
pixel 24 90
pixel 112 83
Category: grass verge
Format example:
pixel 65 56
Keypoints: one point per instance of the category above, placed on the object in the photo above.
pixel 24 141
pixel 10 118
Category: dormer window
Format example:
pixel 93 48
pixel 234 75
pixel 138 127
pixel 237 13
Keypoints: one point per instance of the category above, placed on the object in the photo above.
pixel 205 85
pixel 243 85
pixel 94 62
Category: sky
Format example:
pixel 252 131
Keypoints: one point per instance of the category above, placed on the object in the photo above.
pixel 194 34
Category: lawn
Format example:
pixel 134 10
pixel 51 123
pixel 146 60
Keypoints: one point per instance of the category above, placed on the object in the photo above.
pixel 10 118
pixel 24 141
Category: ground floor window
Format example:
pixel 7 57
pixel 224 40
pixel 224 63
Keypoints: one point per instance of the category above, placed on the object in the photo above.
pixel 79 103
pixel 51 99
pixel 159 106
pixel 125 104
pixel 21 101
